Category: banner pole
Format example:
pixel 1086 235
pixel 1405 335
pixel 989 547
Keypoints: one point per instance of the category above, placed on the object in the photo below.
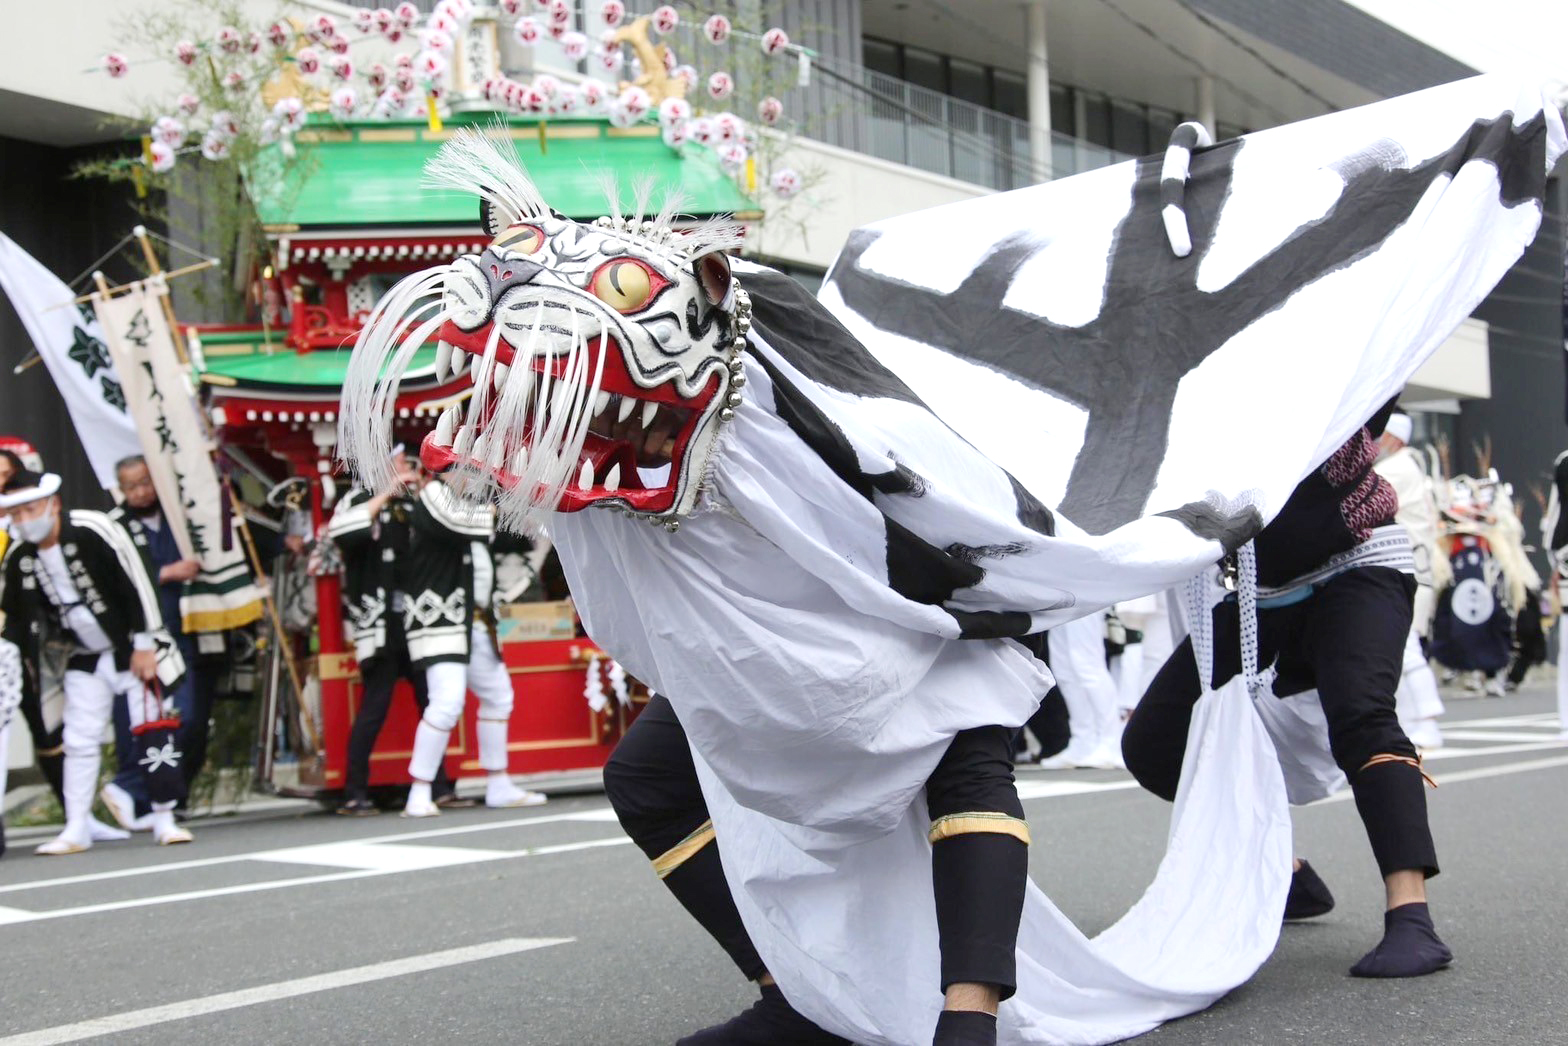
pixel 279 635
pixel 156 269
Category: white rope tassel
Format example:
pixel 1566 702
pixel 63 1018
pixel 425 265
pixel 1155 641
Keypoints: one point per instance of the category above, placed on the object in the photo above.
pixel 618 684
pixel 1173 183
pixel 593 687
pixel 1258 683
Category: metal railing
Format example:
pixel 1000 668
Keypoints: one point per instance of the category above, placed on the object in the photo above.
pixel 892 119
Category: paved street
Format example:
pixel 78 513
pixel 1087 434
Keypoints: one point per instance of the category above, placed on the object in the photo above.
pixel 546 927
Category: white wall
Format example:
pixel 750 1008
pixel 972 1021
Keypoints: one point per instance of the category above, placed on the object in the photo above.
pixel 854 190
pixel 1460 368
pixel 52 85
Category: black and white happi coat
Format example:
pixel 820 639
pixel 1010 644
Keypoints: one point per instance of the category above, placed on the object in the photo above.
pixel 372 549
pixel 113 582
pixel 451 541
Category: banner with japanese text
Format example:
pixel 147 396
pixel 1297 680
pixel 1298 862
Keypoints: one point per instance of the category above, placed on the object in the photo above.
pixel 160 399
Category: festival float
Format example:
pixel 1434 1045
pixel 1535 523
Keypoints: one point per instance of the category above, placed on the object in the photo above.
pixel 339 143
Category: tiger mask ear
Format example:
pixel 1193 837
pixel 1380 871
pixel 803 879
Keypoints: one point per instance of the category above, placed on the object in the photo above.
pixel 491 218
pixel 717 281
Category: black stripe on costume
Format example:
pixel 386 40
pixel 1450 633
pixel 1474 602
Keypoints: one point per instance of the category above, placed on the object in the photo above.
pixel 802 331
pixel 916 569
pixel 811 339
pixel 1124 367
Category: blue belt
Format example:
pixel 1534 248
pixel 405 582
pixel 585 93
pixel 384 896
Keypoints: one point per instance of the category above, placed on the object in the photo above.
pixel 1289 597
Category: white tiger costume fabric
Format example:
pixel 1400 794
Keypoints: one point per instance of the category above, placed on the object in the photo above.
pixel 838 536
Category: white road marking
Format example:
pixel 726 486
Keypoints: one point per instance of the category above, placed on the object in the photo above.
pixel 1481 773
pixel 1463 753
pixel 381 857
pixel 154 1015
pixel 1533 719
pixel 1463 734
pixel 13 915
pixel 391 854
pixel 1036 789
pixel 18 916
pixel 262 855
pixel 394 867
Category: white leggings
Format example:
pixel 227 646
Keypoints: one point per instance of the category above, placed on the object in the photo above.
pixel 89 707
pixel 89 704
pixel 1562 675
pixel 448 682
pixel 1078 663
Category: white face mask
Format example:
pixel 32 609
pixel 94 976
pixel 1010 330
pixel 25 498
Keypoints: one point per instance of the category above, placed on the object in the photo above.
pixel 34 530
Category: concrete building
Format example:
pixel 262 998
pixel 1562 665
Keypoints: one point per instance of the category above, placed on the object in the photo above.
pixel 909 104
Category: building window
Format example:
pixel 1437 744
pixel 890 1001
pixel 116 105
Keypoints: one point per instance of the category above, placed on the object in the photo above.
pixel 924 69
pixel 1096 118
pixel 882 57
pixel 1130 129
pixel 1010 93
pixel 1127 127
pixel 969 82
pixel 1061 110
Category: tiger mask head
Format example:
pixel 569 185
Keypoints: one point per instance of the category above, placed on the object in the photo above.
pixel 601 359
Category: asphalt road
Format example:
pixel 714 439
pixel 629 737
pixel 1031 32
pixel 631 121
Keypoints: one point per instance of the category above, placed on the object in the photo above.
pixel 546 927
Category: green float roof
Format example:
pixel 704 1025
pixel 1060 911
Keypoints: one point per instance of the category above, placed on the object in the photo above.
pixel 369 174
pixel 241 359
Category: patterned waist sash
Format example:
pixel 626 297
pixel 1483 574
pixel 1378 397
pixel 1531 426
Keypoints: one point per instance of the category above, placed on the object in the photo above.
pixel 1388 546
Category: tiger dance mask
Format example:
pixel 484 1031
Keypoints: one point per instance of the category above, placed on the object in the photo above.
pixel 603 358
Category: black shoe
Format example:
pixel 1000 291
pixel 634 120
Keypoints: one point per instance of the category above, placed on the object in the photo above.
pixel 358 808
pixel 965 1028
pixel 453 801
pixel 1410 946
pixel 1309 896
pixel 771 1021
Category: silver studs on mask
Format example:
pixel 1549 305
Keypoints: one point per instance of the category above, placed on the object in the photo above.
pixel 736 364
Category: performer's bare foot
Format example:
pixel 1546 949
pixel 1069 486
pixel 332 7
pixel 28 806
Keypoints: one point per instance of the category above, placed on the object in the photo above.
pixel 771 1021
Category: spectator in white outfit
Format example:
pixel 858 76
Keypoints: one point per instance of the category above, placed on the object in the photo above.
pixel 1416 701
pixel 1093 699
pixel 1554 535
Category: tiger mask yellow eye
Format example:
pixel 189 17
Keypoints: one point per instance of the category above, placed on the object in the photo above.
pixel 519 239
pixel 627 285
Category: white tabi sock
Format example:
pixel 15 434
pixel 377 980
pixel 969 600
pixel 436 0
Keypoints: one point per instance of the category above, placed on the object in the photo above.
pixel 429 749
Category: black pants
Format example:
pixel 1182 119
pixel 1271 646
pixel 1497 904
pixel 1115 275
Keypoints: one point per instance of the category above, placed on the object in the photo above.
pixel 978 877
pixel 1347 641
pixel 378 678
pixel 48 744
pixel 1050 724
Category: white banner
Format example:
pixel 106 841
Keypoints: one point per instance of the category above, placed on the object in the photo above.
pixel 71 346
pixel 159 397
